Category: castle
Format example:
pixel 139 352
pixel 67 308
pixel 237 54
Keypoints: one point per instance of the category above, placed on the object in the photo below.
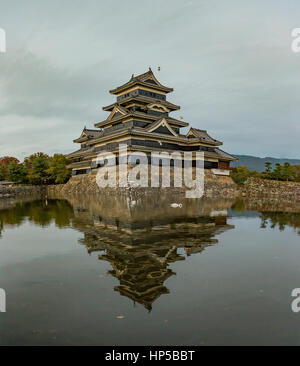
pixel 140 118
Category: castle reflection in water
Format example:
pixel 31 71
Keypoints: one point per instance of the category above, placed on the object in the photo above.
pixel 140 241
pixel 140 238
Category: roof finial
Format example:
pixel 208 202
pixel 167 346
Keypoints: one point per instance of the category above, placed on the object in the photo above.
pixel 132 76
pixel 158 69
pixel 84 128
pixel 150 69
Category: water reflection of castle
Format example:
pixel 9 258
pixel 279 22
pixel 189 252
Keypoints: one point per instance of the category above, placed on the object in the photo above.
pixel 140 250
pixel 140 239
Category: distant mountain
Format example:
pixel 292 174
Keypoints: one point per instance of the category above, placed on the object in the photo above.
pixel 258 164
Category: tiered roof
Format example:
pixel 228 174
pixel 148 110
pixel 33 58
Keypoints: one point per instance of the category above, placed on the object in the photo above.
pixel 143 99
pixel 203 136
pixel 147 80
pixel 141 112
pixel 88 134
pixel 125 113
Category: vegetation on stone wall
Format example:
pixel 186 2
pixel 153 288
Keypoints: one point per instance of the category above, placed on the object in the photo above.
pixel 36 169
pixel 240 174
pixel 281 172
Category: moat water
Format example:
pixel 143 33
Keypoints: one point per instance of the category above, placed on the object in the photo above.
pixel 95 272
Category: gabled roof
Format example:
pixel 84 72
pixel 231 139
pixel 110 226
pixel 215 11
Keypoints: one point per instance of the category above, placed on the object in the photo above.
pixel 144 99
pixel 161 122
pixel 117 109
pixel 141 115
pixel 224 155
pixel 203 136
pixel 87 134
pixel 146 79
pixel 158 106
pixel 78 152
pixel 177 122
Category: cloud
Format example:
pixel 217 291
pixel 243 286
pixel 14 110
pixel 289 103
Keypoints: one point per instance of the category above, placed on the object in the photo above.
pixel 229 62
pixel 22 136
pixel 32 86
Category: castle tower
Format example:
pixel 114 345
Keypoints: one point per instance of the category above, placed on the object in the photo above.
pixel 140 118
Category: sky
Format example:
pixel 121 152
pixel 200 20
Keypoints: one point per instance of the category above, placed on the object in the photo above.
pixel 230 64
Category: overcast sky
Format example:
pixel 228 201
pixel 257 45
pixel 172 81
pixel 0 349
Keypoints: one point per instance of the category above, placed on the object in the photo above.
pixel 230 64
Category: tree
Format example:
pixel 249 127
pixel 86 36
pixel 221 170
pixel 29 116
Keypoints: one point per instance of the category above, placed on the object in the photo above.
pixel 17 172
pixel 38 172
pixel 38 168
pixel 4 163
pixel 296 173
pixel 287 171
pixel 240 174
pixel 282 172
pixel 30 159
pixel 57 171
pixel 268 167
pixel 268 171
pixel 3 172
pixel 6 160
pixel 277 172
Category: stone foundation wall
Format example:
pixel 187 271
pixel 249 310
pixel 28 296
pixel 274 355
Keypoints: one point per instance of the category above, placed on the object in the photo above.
pixel 20 191
pixel 271 190
pixel 215 186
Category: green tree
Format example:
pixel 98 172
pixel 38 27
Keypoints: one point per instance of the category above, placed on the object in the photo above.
pixel 287 171
pixel 57 171
pixel 282 172
pixel 38 172
pixel 30 159
pixel 17 172
pixel 277 172
pixel 296 173
pixel 268 171
pixel 240 174
pixel 268 167
pixel 3 172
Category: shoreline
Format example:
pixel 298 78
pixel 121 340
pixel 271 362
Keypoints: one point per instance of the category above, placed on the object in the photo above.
pixel 215 187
